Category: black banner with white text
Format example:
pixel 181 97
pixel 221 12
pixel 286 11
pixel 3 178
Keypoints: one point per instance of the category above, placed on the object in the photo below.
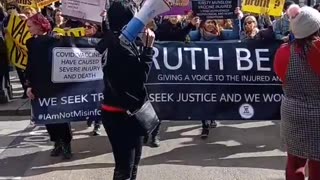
pixel 222 81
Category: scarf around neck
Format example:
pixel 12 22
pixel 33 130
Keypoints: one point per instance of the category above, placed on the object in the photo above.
pixel 208 36
pixel 252 34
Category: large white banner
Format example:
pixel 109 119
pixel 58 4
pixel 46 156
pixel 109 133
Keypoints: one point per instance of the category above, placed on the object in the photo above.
pixel 84 9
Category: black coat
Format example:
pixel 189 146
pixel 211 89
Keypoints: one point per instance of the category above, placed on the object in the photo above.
pixel 169 32
pixel 38 70
pixel 125 74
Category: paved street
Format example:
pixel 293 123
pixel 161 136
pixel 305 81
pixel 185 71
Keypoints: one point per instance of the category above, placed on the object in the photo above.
pixel 234 151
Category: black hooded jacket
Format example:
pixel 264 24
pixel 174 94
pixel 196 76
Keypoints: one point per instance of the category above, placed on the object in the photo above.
pixel 169 32
pixel 125 73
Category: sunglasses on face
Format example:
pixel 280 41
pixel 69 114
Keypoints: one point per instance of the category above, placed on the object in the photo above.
pixel 88 26
pixel 249 22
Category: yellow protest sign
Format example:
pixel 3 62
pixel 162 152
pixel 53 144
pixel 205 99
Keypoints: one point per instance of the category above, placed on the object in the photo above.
pixel 24 3
pixel 74 32
pixel 17 56
pixel 17 35
pixel 43 3
pixel 270 7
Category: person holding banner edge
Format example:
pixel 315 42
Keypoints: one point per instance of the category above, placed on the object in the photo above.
pixel 39 28
pixel 125 74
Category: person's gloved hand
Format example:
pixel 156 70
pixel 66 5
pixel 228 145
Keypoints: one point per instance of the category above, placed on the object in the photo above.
pixel 148 38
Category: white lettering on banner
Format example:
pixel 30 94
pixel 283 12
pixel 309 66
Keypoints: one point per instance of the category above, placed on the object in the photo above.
pixel 213 97
pixel 97 97
pixel 247 59
pixel 154 59
pixel 273 97
pixel 74 99
pixel 165 59
pixel 255 78
pixel 170 77
pixel 72 114
pixel 252 97
pixel 207 58
pixel 48 101
pixel 230 98
pixel 193 56
pixel 202 77
pixel 71 64
pixel 161 97
pixel 259 59
pixel 197 97
pixel 233 78
pixel 243 58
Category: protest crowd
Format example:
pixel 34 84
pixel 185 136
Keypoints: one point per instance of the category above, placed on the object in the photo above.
pixel 297 27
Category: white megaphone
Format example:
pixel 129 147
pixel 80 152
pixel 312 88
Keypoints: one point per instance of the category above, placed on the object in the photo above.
pixel 149 10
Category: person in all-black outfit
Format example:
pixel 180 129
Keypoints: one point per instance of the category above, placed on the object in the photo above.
pixel 125 75
pixel 39 80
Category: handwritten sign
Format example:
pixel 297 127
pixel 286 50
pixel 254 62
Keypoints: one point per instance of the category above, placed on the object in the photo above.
pixel 84 9
pixel 270 7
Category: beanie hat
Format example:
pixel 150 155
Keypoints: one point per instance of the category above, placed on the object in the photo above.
pixel 304 21
pixel 119 15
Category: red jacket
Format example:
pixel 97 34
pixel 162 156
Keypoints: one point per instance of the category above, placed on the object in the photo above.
pixel 282 59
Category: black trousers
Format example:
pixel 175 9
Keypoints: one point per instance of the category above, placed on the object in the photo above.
pixel 5 87
pixel 126 144
pixel 206 123
pixel 156 131
pixel 22 78
pixel 60 132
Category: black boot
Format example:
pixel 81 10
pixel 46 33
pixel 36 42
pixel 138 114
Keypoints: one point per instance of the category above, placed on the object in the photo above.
pixel 145 139
pixel 213 124
pixel 120 176
pixel 205 133
pixel 134 172
pixel 57 149
pixel 155 141
pixel 66 148
pixel 89 123
pixel 97 130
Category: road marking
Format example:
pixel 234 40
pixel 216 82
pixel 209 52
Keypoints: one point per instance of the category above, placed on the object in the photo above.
pixel 10 178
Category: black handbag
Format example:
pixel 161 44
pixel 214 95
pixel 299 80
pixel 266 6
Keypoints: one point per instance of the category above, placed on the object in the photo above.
pixel 147 118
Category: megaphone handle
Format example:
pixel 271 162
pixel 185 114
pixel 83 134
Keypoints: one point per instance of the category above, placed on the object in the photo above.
pixel 147 38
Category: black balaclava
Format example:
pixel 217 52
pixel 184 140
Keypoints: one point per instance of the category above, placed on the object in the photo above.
pixel 119 14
